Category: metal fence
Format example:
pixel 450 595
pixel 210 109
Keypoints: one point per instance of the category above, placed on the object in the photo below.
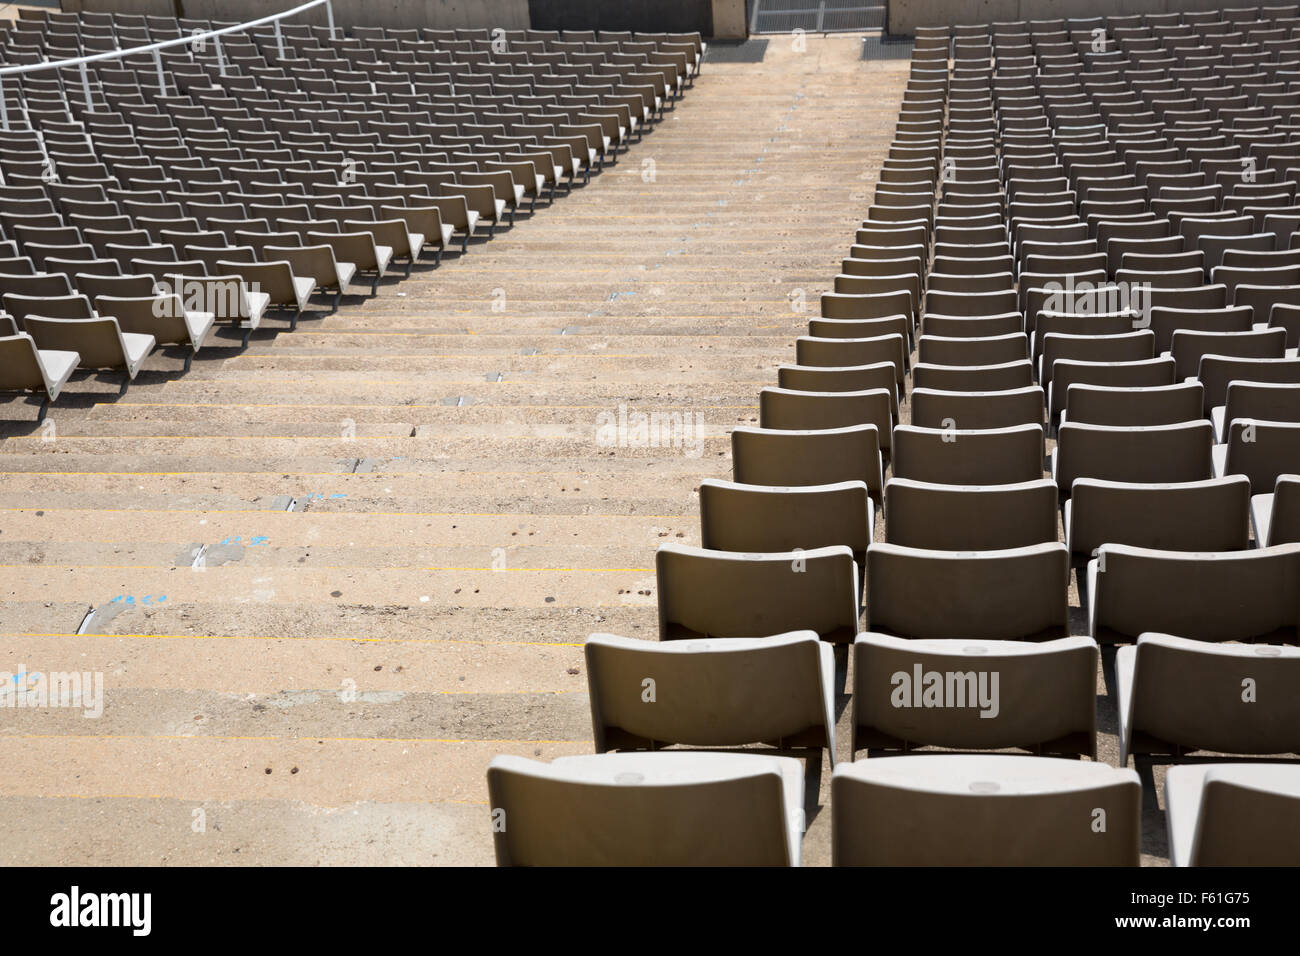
pixel 815 16
pixel 196 39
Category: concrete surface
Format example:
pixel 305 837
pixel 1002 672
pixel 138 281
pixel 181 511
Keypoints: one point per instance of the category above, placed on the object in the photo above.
pixel 332 685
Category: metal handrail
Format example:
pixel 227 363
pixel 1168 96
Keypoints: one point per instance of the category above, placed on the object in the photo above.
pixel 156 49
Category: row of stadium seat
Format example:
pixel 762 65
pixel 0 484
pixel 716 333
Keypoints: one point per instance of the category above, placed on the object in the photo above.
pixel 146 202
pixel 1050 255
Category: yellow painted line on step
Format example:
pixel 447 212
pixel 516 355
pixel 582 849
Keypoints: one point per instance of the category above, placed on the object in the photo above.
pixel 351 405
pixel 333 740
pixel 370 476
pixel 323 567
pixel 177 474
pixel 344 514
pixel 331 438
pixel 281 637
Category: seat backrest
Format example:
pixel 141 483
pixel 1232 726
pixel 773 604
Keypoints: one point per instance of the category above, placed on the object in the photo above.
pixel 20 367
pixel 1209 596
pixel 1146 453
pixel 944 517
pixel 1157 405
pixel 1133 346
pixel 771 456
pixel 645 810
pixel 1188 347
pixel 1217 372
pixel 984 810
pixel 988 456
pixel 975 695
pixel 41 284
pixel 936 408
pixel 711 693
pixel 1012 594
pixel 705 593
pixel 98 341
pixel 792 409
pixel 54 307
pixel 974 378
pixel 1210 515
pixel 1262 450
pixel 1262 400
pixel 1227 698
pixel 757 518
pixel 840 352
pixel 1146 373
pixel 1245 815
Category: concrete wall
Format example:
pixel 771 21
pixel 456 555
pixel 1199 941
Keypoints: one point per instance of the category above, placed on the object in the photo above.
pixel 508 14
pixel 729 20
pixel 668 16
pixel 904 16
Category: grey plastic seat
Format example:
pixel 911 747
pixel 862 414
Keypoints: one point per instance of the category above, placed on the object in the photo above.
pixel 712 693
pixel 1164 321
pixel 1189 347
pixel 318 264
pixel 1147 453
pixel 1146 373
pixel 877 305
pixel 792 409
pixel 647 809
pixel 1260 450
pixel 392 234
pixel 1177 696
pixel 226 297
pixel 1209 595
pixel 1234 814
pixel 991 456
pixel 135 286
pixel 1207 515
pixel 705 593
pixel 773 456
pixel 944 517
pixel 837 353
pixel 975 695
pixel 972 350
pixel 1126 407
pixel 933 408
pixel 974 378
pixel 984 810
pixel 276 281
pixel 26 368
pixel 1124 347
pixel 761 518
pixel 100 343
pixel 964 326
pixel 1275 515
pixel 851 378
pixel 163 317
pixel 54 307
pixel 1217 372
pixel 1260 400
pixel 358 248
pixel 1013 594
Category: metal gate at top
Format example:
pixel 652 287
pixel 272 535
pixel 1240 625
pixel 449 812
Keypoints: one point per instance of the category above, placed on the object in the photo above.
pixel 815 16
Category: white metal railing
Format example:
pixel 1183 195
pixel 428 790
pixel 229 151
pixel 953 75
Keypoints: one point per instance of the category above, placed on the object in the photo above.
pixel 156 49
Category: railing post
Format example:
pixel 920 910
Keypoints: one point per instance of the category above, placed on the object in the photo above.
pixel 85 86
pixel 279 39
pixel 329 13
pixel 221 60
pixel 4 106
pixel 162 82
